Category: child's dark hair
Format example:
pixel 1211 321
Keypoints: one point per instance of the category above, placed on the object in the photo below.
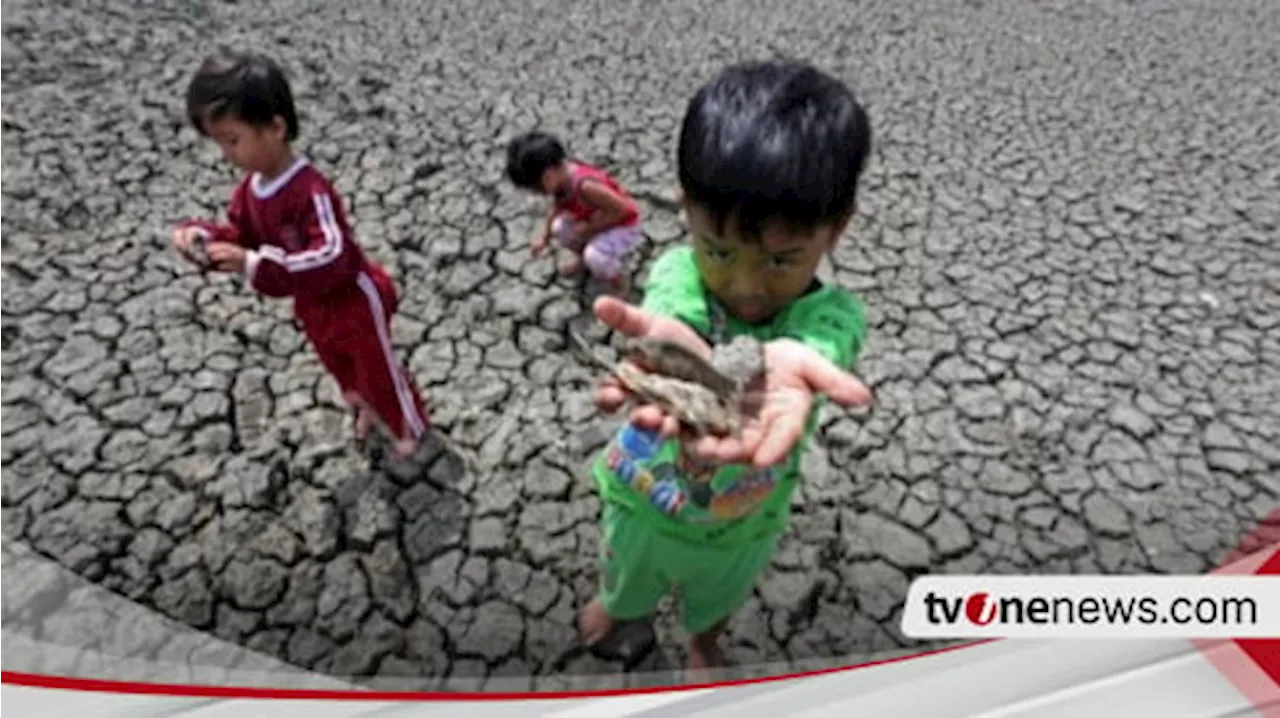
pixel 530 155
pixel 773 142
pixel 251 88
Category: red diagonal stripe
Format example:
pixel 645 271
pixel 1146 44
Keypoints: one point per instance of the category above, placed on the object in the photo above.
pixel 1252 665
pixel 1266 651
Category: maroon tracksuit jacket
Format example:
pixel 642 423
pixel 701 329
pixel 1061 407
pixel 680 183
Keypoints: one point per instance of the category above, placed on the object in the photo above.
pixel 300 246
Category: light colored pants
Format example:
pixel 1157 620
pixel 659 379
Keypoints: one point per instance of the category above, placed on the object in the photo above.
pixel 606 252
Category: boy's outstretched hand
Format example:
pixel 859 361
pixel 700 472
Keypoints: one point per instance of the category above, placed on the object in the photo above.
pixel 794 374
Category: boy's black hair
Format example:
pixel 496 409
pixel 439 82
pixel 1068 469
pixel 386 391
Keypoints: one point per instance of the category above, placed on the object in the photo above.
pixel 530 155
pixel 773 142
pixel 249 87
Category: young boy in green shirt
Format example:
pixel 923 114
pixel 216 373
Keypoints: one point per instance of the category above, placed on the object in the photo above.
pixel 769 159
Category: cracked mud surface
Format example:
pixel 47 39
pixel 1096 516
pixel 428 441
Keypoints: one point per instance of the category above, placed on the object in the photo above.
pixel 1067 244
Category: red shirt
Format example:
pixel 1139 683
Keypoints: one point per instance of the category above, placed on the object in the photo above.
pixel 296 231
pixel 573 204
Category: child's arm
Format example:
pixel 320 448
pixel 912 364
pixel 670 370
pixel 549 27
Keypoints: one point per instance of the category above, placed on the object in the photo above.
pixel 543 240
pixel 235 230
pixel 674 307
pixel 328 259
pixel 610 208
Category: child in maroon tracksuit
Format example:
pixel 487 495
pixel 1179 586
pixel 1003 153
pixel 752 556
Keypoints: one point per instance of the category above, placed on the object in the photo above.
pixel 288 234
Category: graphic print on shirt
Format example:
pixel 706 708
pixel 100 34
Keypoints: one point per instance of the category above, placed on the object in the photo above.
pixel 635 459
pixel 680 485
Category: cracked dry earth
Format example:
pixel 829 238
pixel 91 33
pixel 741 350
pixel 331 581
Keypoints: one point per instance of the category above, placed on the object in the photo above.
pixel 1067 243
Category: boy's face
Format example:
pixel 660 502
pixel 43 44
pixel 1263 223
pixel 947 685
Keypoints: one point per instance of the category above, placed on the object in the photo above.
pixel 757 279
pixel 249 147
pixel 555 179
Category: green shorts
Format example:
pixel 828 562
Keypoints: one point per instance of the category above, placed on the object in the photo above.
pixel 639 565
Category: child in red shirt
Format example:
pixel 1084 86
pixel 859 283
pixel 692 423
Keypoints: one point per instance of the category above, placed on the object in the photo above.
pixel 289 236
pixel 591 215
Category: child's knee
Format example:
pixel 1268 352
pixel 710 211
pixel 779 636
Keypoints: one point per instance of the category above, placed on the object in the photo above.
pixel 629 588
pixel 601 263
pixel 722 592
pixel 562 231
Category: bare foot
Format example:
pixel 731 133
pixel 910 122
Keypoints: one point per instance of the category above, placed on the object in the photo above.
pixel 594 623
pixel 405 448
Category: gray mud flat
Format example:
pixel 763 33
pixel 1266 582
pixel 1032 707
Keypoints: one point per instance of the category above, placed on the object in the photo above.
pixel 1067 243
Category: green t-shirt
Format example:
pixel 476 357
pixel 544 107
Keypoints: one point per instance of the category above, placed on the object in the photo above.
pixel 734 504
